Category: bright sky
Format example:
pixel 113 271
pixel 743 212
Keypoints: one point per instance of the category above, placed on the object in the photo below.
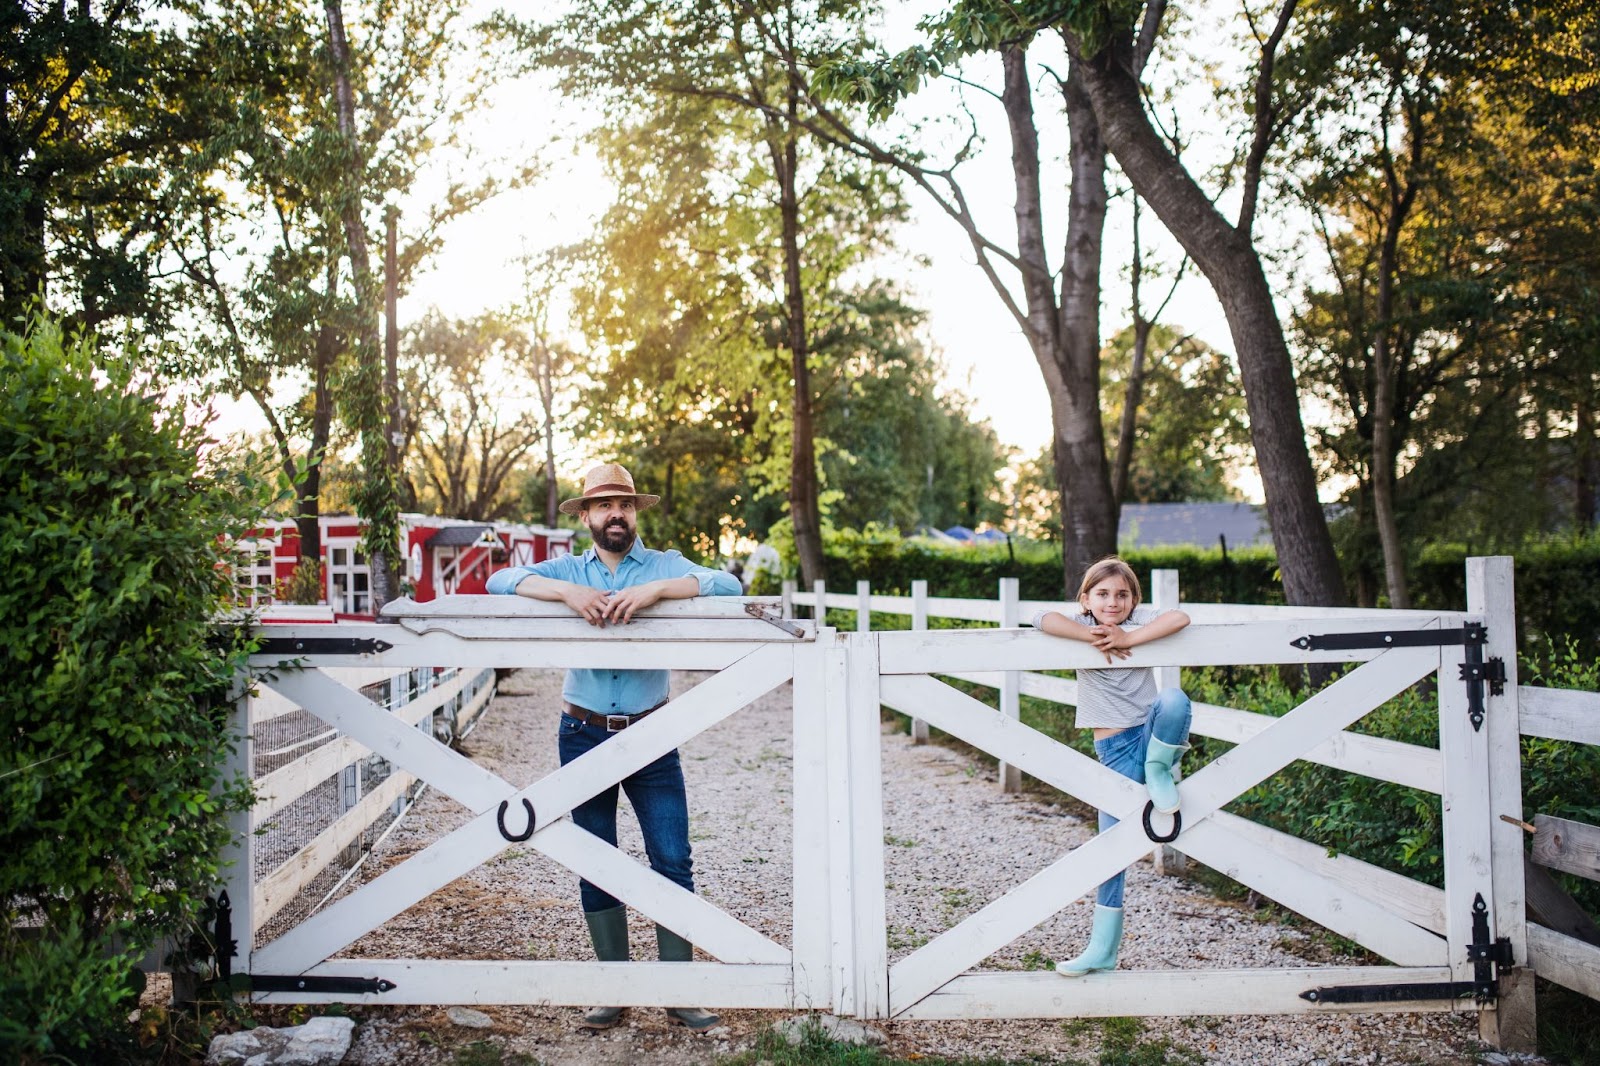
pixel 986 355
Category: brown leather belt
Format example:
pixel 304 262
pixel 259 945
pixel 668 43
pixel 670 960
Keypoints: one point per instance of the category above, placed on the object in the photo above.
pixel 611 722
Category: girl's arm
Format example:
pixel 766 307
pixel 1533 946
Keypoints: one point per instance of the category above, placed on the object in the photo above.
pixel 1059 625
pixel 1116 639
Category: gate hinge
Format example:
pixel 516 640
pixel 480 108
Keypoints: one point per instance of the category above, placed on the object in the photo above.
pixel 297 646
pixel 1392 993
pixel 349 986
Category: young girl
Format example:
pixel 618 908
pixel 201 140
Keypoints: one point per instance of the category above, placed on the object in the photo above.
pixel 1138 732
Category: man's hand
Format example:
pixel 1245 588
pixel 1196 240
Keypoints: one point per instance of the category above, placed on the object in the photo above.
pixel 1111 640
pixel 591 604
pixel 622 604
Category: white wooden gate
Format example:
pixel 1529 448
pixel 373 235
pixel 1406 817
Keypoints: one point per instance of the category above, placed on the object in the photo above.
pixel 1444 944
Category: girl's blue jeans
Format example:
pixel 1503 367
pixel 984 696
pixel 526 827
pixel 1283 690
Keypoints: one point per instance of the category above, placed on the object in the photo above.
pixel 1124 752
pixel 658 799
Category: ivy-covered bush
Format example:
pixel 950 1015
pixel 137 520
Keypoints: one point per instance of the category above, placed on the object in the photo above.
pixel 113 709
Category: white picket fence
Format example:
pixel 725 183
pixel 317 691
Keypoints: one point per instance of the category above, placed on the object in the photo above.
pixel 836 957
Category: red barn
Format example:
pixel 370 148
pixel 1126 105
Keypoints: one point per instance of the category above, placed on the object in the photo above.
pixel 442 556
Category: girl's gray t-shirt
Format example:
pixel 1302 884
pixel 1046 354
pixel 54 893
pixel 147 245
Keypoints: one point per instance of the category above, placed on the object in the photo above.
pixel 1119 696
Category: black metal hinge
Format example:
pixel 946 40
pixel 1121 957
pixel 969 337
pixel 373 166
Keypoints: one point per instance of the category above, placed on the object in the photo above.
pixel 1484 953
pixel 345 986
pixel 1472 635
pixel 297 646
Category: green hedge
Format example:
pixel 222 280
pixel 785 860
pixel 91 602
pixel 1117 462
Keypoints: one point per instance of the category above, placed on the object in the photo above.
pixel 113 710
pixel 1558 582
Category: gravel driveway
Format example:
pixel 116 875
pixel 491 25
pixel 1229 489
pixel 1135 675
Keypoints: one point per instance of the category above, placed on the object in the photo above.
pixel 952 842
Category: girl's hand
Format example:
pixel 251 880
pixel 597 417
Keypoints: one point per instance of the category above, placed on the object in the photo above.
pixel 1111 641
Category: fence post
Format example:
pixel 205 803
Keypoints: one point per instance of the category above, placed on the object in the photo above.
pixel 863 606
pixel 1491 593
pixel 813 893
pixel 787 600
pixel 1167 860
pixel 820 610
pixel 238 857
pixel 1011 680
pixel 919 620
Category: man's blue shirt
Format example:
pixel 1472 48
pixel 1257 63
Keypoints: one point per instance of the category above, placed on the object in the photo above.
pixel 617 691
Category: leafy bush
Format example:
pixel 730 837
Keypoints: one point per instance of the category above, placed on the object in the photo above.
pixel 114 709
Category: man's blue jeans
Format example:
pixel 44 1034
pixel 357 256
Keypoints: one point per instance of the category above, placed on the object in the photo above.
pixel 1124 752
pixel 656 793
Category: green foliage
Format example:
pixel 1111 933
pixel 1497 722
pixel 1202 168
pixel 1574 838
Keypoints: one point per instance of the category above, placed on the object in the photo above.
pixel 113 715
pixel 307 585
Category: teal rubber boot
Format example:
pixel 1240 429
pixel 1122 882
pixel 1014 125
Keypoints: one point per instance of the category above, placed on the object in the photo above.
pixel 1104 939
pixel 674 948
pixel 1159 762
pixel 608 932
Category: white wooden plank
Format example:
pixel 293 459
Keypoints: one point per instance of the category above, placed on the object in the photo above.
pixel 408 649
pixel 1340 617
pixel 1490 594
pixel 479 703
pixel 1010 693
pixel 1257 643
pixel 1568 846
pixel 1421 905
pixel 1170 993
pixel 543 983
pixel 863 606
pixel 485 606
pixel 279 888
pixel 811 940
pixel 841 896
pixel 1164 597
pixel 403 745
pixel 694 630
pixel 690 916
pixel 289 782
pixel 1307 889
pixel 552 796
pixel 919 620
pixel 866 829
pixel 1560 714
pixel 238 853
pixel 1387 760
pixel 1468 867
pixel 1566 960
pixel 268 704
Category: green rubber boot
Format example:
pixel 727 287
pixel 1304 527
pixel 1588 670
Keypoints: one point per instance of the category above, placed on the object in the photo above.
pixel 1159 762
pixel 608 932
pixel 674 948
pixel 1105 937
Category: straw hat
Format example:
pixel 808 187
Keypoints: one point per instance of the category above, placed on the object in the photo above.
pixel 608 479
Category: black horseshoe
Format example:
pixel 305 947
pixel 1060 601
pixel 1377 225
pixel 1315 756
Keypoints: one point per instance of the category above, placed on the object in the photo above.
pixel 1149 830
pixel 528 832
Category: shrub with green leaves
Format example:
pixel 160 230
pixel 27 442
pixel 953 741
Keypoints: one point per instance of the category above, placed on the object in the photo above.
pixel 114 707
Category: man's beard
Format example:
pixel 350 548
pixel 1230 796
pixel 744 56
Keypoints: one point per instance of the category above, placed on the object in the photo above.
pixel 613 537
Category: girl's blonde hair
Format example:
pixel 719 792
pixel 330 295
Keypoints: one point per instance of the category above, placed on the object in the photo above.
pixel 1111 566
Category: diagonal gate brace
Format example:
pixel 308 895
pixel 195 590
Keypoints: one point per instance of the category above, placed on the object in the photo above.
pixel 1476 671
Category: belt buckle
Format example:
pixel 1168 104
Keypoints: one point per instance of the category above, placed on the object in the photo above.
pixel 615 722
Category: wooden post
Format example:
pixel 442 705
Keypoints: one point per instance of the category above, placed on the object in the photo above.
pixel 1011 681
pixel 820 610
pixel 1167 860
pixel 841 951
pixel 813 988
pixel 870 916
pixel 919 620
pixel 863 606
pixel 787 600
pixel 1491 593
pixel 238 857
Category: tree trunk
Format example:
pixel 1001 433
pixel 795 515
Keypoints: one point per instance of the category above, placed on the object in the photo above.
pixel 1233 267
pixel 1133 389
pixel 804 509
pixel 1584 462
pixel 1382 415
pixel 383 536
pixel 1065 337
pixel 309 513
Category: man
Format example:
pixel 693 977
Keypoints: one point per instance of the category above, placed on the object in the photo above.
pixel 609 584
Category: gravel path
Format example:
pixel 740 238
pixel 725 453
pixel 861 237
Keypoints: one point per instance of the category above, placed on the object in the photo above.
pixel 952 842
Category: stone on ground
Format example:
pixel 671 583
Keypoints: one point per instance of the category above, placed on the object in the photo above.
pixel 319 1042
